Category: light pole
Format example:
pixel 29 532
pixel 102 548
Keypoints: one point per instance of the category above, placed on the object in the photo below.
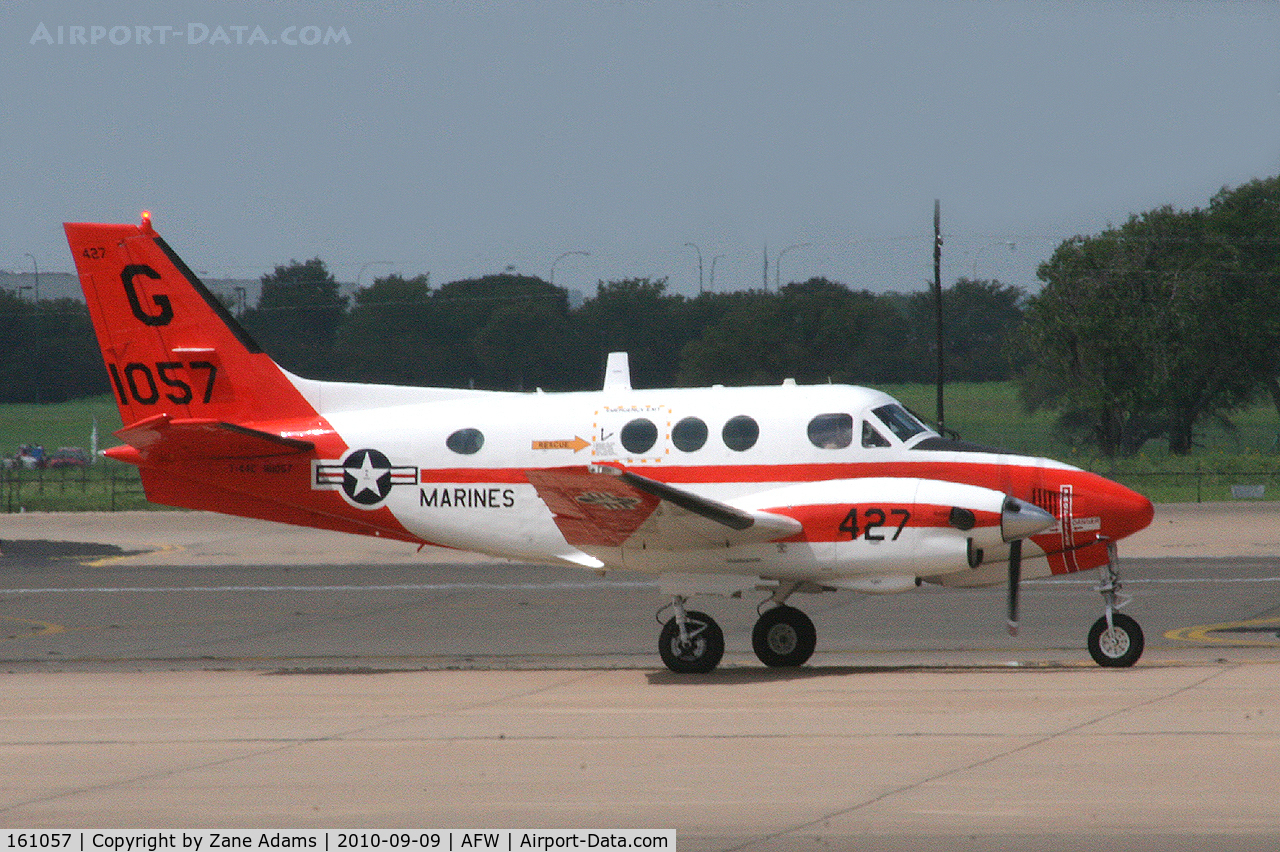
pixel 699 251
pixel 977 254
pixel 777 264
pixel 711 284
pixel 552 279
pixel 37 266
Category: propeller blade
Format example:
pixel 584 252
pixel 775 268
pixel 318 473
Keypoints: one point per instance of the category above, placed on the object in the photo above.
pixel 1015 579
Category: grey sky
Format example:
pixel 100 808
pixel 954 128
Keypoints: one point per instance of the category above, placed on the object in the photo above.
pixel 460 138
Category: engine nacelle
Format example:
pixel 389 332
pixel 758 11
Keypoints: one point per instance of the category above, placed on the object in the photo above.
pixel 901 526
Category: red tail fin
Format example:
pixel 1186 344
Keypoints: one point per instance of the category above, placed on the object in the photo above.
pixel 170 347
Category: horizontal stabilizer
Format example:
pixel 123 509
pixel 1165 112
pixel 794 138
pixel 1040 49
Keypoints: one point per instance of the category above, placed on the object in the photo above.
pixel 608 507
pixel 206 439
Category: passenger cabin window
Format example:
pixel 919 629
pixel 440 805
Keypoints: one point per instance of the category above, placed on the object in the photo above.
pixel 871 437
pixel 639 435
pixel 465 441
pixel 740 433
pixel 831 431
pixel 900 421
pixel 689 435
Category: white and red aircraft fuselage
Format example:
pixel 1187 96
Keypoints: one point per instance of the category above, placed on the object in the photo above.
pixel 714 490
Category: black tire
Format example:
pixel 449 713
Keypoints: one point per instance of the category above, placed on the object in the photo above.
pixel 1118 647
pixel 784 637
pixel 703 651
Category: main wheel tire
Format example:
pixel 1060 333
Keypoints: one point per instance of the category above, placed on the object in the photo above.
pixel 784 637
pixel 1118 646
pixel 701 653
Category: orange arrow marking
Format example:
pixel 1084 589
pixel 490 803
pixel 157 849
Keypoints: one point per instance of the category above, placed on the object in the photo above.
pixel 575 445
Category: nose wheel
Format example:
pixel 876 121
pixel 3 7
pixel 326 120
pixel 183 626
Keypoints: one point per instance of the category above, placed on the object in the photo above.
pixel 1117 644
pixel 1115 640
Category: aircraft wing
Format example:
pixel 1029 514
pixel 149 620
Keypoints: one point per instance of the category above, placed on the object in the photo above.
pixel 604 506
pixel 203 438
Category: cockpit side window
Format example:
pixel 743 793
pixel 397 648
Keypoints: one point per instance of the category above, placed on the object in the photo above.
pixel 831 431
pixel 900 421
pixel 871 437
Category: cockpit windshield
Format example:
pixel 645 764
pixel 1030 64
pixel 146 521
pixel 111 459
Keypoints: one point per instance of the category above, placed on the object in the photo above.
pixel 900 421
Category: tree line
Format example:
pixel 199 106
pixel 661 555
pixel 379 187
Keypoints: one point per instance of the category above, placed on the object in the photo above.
pixel 1145 331
pixel 517 332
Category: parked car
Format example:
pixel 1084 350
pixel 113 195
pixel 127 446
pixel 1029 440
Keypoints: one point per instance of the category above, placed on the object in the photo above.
pixel 68 457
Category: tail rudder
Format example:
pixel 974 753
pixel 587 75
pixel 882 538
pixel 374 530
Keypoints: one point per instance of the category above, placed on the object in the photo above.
pixel 169 345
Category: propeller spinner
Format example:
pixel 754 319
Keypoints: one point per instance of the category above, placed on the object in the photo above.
pixel 1018 520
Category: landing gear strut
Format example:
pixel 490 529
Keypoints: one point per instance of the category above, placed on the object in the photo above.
pixel 1115 640
pixel 691 642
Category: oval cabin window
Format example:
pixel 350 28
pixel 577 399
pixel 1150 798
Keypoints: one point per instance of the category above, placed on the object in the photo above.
pixel 465 441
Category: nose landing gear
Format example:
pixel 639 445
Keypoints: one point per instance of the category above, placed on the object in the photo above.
pixel 1115 640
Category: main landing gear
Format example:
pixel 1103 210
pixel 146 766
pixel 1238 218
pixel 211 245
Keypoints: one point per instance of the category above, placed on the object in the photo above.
pixel 1115 640
pixel 692 643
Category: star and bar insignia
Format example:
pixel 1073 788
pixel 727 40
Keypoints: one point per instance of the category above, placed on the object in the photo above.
pixel 365 476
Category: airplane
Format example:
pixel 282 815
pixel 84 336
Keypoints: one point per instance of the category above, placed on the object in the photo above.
pixel 722 491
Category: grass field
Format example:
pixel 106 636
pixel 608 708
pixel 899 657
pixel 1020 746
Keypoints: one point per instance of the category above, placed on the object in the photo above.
pixel 987 413
pixel 990 413
pixel 105 486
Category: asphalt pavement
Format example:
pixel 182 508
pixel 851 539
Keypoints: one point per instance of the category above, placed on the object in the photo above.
pixel 184 669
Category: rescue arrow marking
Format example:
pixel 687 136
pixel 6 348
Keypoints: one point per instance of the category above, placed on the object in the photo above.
pixel 575 445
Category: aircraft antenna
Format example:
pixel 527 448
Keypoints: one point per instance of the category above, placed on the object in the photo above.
pixel 937 290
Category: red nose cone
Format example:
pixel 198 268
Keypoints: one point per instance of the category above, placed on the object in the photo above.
pixel 1122 510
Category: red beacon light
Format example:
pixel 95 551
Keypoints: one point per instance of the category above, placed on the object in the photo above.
pixel 146 222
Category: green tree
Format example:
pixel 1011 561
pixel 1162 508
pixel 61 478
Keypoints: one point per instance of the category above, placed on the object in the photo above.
pixel 297 317
pixel 978 320
pixel 524 345
pixel 813 331
pixel 497 321
pixel 394 334
pixel 1246 220
pixel 51 354
pixel 1129 341
pixel 637 316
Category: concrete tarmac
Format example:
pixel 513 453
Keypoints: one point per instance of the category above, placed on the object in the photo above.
pixel 188 670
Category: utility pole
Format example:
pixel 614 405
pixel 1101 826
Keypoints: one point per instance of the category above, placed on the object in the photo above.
pixel 937 291
pixel 766 267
